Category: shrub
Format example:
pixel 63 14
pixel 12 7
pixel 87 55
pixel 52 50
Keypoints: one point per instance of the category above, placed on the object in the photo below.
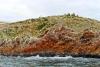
pixel 40 26
pixel 73 14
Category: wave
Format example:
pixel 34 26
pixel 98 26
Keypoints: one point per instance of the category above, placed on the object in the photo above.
pixel 39 57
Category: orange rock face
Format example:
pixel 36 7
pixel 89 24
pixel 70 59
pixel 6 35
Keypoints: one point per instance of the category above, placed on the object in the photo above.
pixel 66 41
pixel 59 41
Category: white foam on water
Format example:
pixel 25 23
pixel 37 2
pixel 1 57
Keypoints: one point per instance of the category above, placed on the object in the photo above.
pixel 39 58
pixel 32 57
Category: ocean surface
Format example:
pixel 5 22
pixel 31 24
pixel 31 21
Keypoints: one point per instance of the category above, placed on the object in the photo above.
pixel 36 61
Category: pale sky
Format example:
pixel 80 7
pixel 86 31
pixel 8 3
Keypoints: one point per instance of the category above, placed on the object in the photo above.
pixel 13 10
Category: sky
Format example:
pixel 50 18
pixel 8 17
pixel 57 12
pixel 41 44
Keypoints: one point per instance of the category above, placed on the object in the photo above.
pixel 16 10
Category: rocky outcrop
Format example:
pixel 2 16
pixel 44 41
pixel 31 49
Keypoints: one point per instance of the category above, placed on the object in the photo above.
pixel 56 41
pixel 62 41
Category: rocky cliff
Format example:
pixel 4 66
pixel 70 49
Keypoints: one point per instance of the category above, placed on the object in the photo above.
pixel 58 40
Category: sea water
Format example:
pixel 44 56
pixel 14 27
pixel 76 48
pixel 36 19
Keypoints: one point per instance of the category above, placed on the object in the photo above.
pixel 37 61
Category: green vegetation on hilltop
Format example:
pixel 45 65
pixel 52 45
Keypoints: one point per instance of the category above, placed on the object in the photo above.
pixel 36 27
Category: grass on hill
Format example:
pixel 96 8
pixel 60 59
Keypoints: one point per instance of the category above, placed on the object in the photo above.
pixel 36 27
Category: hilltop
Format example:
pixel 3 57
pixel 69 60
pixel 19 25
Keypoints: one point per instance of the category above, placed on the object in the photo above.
pixel 37 27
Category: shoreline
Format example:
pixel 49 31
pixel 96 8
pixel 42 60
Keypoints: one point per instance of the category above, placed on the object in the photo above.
pixel 54 55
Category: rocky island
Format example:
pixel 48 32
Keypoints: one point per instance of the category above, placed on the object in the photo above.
pixel 61 35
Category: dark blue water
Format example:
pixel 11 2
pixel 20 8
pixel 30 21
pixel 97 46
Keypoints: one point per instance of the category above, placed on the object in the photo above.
pixel 48 62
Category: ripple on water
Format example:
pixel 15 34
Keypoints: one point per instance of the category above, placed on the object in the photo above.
pixel 36 61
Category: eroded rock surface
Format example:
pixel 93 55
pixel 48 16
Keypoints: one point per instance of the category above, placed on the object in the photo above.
pixel 56 41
